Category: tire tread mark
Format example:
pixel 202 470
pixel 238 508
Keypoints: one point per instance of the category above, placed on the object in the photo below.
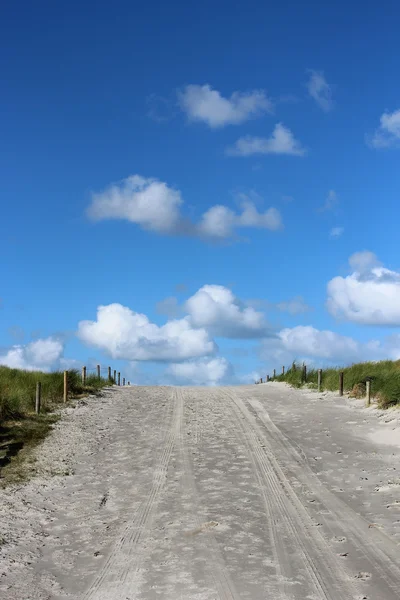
pixel 124 559
pixel 373 544
pixel 294 516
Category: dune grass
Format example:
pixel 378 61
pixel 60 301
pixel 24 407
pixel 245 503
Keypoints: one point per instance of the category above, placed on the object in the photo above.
pixel 20 427
pixel 384 376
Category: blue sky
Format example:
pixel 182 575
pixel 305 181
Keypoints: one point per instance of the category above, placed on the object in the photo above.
pixel 222 179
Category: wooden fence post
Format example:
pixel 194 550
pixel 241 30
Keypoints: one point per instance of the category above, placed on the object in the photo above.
pixel 98 371
pixel 319 379
pixel 123 381
pixel 65 386
pixel 109 373
pixel 294 366
pixel 129 383
pixel 267 379
pixel 368 390
pixel 304 373
pixel 119 378
pixel 274 373
pixel 83 375
pixel 341 383
pixel 115 376
pixel 283 370
pixel 38 397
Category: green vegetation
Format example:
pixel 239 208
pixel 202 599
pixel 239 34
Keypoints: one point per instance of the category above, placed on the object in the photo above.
pixel 20 427
pixel 384 377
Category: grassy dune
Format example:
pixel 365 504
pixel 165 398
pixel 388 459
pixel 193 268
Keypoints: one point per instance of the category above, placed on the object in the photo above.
pixel 20 427
pixel 384 377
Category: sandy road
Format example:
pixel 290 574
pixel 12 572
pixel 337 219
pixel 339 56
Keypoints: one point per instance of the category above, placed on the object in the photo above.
pixel 257 492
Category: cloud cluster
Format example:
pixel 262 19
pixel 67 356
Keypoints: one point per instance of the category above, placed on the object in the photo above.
pixel 281 141
pixel 324 348
pixel 202 103
pixel 125 334
pixel 41 355
pixel 370 295
pixel 155 206
pixel 388 133
pixel 212 311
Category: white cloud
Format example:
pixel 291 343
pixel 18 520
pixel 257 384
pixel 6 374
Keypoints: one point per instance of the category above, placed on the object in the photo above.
pixel 330 202
pixel 150 203
pixel 319 348
pixel 39 355
pixel 202 103
pixel 125 334
pixel 215 308
pixel 217 222
pixel 282 141
pixel 336 232
pixel 369 296
pixel 153 205
pixel 320 90
pixel 220 221
pixel 388 133
pixel 294 306
pixel 209 372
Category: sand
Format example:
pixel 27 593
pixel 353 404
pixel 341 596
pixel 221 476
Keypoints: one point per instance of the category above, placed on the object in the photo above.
pixel 253 492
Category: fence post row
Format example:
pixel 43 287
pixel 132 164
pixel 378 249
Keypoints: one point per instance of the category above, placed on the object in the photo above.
pixel 341 381
pixel 109 373
pixel 119 378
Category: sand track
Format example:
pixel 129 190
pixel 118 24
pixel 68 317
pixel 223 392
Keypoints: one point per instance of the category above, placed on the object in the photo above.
pixel 206 494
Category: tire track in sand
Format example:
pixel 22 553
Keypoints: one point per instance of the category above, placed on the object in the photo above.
pixel 216 565
pixel 120 573
pixel 379 550
pixel 297 543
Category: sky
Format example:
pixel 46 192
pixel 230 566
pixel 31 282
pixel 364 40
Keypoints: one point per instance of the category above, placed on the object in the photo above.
pixel 197 193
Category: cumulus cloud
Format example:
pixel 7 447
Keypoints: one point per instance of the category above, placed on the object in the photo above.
pixel 125 334
pixel 370 295
pixel 336 232
pixel 41 355
pixel 388 133
pixel 208 372
pixel 202 103
pixel 282 141
pixel 324 347
pixel 320 90
pixel 215 308
pixel 150 203
pixel 220 222
pixel 154 206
